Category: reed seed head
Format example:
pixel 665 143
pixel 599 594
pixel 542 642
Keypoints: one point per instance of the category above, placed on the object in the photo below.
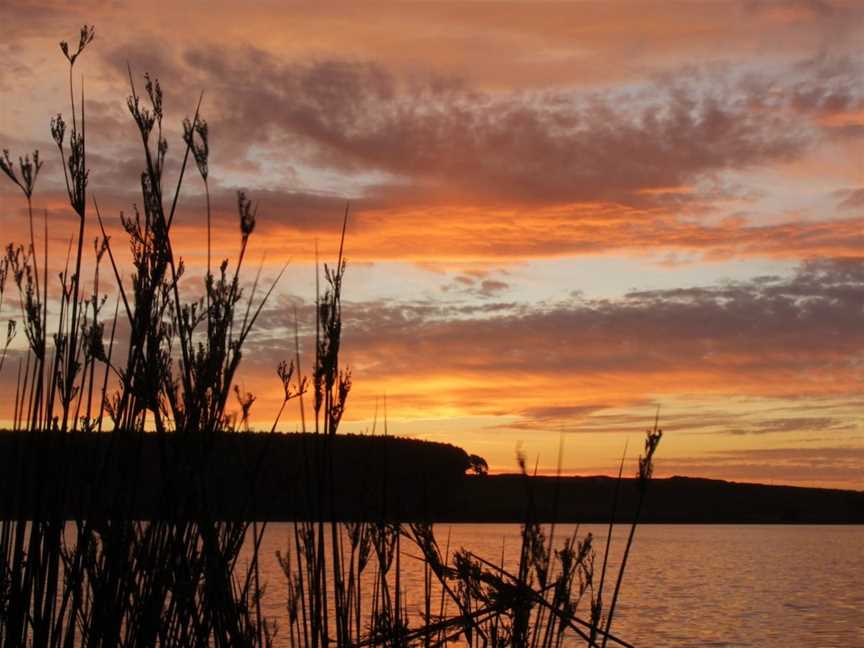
pixel 199 145
pixel 247 214
pixel 27 167
pixel 88 32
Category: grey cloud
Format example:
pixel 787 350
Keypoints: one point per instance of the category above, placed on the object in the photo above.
pixel 537 147
pixel 850 198
pixel 793 424
pixel 810 322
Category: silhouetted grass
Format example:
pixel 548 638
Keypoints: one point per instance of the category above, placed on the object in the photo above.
pixel 177 579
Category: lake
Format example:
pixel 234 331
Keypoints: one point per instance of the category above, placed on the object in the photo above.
pixel 685 585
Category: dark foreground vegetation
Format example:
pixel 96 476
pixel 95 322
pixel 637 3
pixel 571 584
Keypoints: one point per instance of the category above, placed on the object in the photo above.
pixel 401 478
pixel 99 576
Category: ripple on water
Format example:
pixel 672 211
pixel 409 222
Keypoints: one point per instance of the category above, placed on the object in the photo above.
pixel 764 586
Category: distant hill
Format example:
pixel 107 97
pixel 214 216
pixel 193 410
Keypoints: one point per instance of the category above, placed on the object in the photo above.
pixel 240 475
pixel 266 477
pixel 671 500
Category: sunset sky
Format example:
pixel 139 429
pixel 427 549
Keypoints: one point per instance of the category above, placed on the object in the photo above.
pixel 562 215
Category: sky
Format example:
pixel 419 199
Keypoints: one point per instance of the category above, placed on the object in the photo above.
pixel 563 216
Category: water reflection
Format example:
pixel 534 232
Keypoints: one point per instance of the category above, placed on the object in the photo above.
pixel 685 585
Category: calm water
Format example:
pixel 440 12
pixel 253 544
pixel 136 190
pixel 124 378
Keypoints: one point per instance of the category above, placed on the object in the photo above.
pixel 689 585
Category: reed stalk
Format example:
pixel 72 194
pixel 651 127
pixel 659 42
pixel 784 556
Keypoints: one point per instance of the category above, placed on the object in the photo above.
pixel 79 571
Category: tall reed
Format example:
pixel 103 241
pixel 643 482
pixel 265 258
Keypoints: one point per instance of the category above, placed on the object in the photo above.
pixel 177 579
